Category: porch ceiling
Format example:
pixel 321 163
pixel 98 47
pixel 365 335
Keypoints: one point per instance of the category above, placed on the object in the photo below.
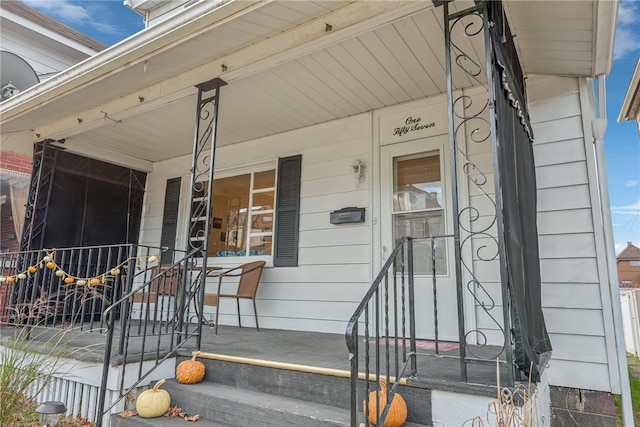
pixel 281 73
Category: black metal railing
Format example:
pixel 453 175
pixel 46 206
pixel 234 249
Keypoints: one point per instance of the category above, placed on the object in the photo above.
pixel 67 287
pixel 159 315
pixel 384 325
pixel 140 310
pixel 382 314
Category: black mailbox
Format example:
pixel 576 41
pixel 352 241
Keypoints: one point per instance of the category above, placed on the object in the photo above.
pixel 347 215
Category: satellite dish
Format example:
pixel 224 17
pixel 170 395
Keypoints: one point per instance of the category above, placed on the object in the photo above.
pixel 16 75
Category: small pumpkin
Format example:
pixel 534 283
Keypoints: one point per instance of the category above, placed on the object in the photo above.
pixel 397 414
pixel 190 371
pixel 153 402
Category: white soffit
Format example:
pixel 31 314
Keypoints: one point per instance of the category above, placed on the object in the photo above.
pixel 564 37
pixel 381 61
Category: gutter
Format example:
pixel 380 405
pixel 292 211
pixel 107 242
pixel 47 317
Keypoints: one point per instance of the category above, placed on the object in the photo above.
pixel 599 126
pixel 130 51
pixel 604 35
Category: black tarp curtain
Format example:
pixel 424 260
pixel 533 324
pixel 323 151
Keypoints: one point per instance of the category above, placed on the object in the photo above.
pixel 90 203
pixel 518 191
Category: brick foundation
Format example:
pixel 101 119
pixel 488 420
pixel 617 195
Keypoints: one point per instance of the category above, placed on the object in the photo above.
pixel 584 408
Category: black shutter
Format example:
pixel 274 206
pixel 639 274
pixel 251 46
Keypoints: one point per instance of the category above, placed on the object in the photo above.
pixel 170 218
pixel 287 212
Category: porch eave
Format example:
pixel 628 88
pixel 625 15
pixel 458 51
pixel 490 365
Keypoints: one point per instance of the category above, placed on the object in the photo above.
pixel 125 123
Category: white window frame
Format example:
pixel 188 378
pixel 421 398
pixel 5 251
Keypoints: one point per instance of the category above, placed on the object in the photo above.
pixel 252 170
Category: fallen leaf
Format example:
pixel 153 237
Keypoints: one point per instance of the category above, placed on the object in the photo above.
pixel 125 414
pixel 173 412
pixel 192 418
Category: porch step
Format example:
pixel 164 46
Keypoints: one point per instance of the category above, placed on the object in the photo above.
pixel 117 421
pixel 233 406
pixel 239 392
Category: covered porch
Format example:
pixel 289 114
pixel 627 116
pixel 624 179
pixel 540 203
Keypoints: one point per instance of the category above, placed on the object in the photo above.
pixel 348 90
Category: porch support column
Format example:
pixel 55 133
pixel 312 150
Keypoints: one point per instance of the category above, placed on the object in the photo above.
pixel 478 117
pixel 204 148
pixel 454 194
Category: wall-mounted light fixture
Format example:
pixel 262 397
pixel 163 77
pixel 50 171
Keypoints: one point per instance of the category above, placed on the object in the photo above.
pixel 358 170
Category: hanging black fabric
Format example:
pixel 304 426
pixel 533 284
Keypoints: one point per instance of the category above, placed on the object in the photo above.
pixel 77 201
pixel 93 203
pixel 518 190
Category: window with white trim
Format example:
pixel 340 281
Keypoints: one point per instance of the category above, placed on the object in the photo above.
pixel 242 215
pixel 251 216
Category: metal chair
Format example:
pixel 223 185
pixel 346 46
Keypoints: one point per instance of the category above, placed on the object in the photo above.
pixel 249 275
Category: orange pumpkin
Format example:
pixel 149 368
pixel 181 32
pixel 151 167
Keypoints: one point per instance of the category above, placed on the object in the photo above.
pixel 69 280
pixel 190 371
pixel 397 414
pixel 51 265
pixel 32 269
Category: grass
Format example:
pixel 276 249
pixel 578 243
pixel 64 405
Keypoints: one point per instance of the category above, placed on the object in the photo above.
pixel 634 380
pixel 24 372
pixel 31 357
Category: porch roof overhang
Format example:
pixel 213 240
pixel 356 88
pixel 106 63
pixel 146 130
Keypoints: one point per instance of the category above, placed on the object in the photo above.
pixel 288 65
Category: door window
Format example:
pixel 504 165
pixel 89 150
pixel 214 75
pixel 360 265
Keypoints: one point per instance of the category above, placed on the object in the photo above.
pixel 418 208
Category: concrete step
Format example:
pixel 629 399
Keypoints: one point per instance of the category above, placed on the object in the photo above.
pixel 253 393
pixel 321 386
pixel 136 421
pixel 234 406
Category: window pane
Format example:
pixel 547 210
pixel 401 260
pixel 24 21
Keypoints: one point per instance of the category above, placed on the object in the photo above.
pixel 419 210
pixel 231 213
pixel 230 204
pixel 262 223
pixel 423 224
pixel 263 201
pixel 417 184
pixel 260 245
pixel 264 179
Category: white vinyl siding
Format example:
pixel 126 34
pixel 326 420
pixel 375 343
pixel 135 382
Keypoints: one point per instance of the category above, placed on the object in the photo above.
pixel 333 269
pixel 570 271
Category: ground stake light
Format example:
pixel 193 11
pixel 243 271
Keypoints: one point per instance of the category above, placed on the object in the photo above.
pixel 50 413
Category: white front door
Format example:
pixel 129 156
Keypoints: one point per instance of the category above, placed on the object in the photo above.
pixel 415 201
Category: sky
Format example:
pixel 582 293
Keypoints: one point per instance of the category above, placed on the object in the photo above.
pixel 109 22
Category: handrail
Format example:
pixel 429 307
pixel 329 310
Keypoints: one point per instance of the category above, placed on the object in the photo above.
pixel 161 319
pixel 372 289
pixel 351 334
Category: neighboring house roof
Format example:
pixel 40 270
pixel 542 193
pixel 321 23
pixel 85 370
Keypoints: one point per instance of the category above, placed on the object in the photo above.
pixel 630 253
pixel 38 18
pixel 631 103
